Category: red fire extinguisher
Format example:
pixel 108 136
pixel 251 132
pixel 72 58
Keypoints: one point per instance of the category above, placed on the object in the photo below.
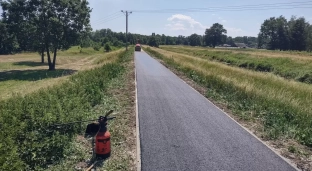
pixel 102 138
pixel 99 130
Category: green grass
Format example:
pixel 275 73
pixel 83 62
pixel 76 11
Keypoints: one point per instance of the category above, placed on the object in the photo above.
pixel 283 107
pixel 287 67
pixel 13 81
pixel 34 75
pixel 27 142
pixel 20 64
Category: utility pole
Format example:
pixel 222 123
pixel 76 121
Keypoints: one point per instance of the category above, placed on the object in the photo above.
pixel 127 14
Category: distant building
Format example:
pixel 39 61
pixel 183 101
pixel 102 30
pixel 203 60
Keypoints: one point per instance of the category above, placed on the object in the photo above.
pixel 226 45
pixel 241 45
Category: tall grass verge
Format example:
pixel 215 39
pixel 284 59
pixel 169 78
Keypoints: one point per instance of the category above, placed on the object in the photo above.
pixel 287 67
pixel 26 140
pixel 283 107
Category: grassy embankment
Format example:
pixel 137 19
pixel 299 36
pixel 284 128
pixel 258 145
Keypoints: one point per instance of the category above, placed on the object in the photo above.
pixel 290 65
pixel 27 143
pixel 280 108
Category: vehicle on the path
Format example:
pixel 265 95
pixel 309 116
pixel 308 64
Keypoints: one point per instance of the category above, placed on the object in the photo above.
pixel 137 47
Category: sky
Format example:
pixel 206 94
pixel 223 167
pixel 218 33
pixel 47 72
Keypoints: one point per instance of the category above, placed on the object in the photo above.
pixel 245 22
pixel 237 23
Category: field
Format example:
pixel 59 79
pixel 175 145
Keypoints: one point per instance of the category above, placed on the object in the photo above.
pixel 83 86
pixel 290 65
pixel 276 109
pixel 24 73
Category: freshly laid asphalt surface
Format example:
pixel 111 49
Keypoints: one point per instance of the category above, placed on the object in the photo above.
pixel 181 130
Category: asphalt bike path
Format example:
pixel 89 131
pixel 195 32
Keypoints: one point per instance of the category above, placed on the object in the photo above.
pixel 181 130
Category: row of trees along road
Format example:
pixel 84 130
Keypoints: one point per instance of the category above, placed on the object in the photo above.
pixel 43 26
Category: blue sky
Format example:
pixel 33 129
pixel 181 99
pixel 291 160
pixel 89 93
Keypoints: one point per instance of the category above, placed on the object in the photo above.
pixel 237 23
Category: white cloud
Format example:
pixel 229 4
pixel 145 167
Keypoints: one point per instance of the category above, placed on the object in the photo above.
pixel 232 31
pixel 184 22
pixel 176 26
pixel 187 25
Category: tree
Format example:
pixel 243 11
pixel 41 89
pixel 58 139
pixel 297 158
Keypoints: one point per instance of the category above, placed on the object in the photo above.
pixel 186 41
pixel 214 35
pixel 180 40
pixel 163 39
pixel 153 41
pixel 62 22
pixel 107 47
pixel 8 42
pixel 282 33
pixel 278 33
pixel 194 40
pixel 230 41
pixel 57 23
pixel 309 38
pixel 268 34
pixel 170 40
pixel 97 46
pixel 298 33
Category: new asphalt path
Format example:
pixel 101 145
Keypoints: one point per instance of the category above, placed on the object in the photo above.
pixel 181 130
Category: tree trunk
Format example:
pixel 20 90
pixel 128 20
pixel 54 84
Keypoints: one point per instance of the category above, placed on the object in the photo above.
pixel 42 55
pixel 49 58
pixel 54 58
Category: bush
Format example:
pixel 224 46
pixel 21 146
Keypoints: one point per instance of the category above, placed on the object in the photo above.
pixel 107 47
pixel 97 46
pixel 118 43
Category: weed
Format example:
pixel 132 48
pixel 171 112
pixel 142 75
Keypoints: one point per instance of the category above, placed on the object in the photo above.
pixel 292 149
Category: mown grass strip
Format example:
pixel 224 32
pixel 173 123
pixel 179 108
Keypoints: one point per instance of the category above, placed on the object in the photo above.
pixel 24 81
pixel 289 68
pixel 27 143
pixel 283 107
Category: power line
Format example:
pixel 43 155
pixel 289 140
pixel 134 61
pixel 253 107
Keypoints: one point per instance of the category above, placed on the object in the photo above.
pixel 108 19
pixel 261 5
pixel 107 16
pixel 189 11
pixel 231 7
pixel 290 5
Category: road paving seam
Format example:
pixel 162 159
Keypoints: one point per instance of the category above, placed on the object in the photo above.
pixel 137 122
pixel 272 149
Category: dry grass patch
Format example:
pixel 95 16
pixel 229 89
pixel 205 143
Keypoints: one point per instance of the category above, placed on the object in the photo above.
pixel 293 68
pixel 253 52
